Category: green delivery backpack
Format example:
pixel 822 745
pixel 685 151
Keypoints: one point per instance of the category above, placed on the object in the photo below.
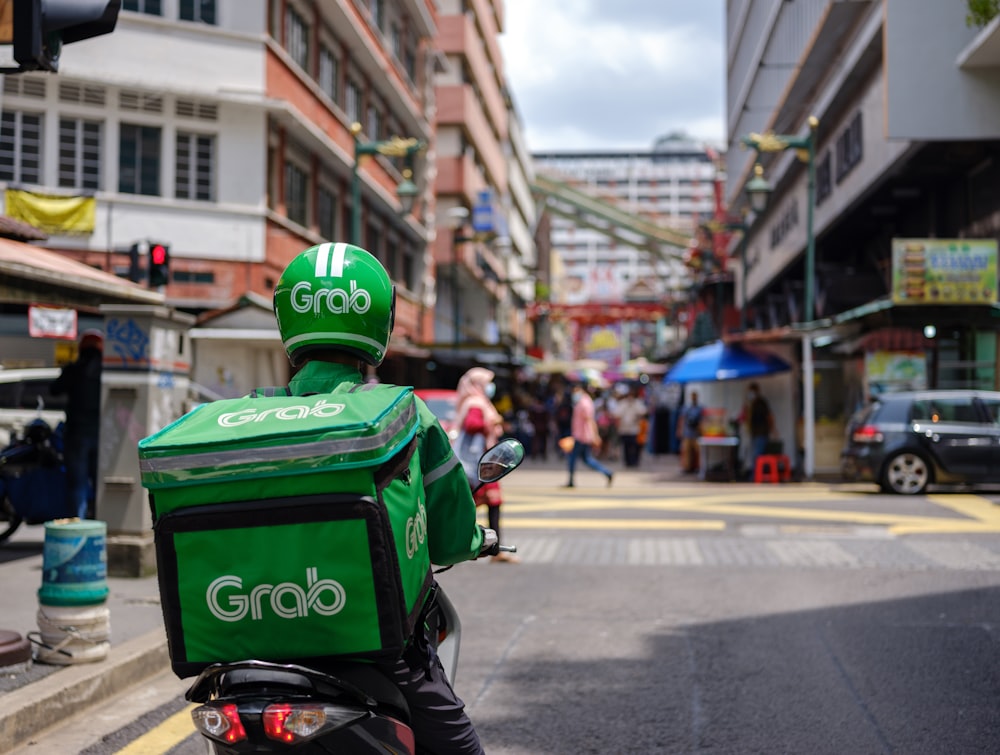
pixel 290 528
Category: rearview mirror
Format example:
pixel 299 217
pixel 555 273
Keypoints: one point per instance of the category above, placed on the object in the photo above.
pixel 500 460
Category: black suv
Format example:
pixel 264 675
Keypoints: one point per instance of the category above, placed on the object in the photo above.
pixel 906 441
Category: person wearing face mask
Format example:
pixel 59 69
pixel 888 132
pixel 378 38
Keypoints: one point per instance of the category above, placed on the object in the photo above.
pixel 476 415
pixel 760 423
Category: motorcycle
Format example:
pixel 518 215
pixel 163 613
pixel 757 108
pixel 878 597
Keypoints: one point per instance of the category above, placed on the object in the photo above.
pixel 258 706
pixel 32 477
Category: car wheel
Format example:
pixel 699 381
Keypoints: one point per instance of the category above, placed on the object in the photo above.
pixel 906 474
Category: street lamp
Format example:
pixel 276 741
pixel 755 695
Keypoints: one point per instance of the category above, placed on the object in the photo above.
pixel 407 191
pixel 758 190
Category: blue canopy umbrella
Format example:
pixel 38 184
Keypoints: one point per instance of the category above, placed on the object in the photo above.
pixel 719 361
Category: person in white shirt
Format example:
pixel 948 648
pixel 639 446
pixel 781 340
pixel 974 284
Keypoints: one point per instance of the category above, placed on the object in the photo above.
pixel 629 412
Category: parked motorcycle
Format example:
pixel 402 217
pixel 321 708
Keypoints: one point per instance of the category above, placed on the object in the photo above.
pixel 257 706
pixel 32 478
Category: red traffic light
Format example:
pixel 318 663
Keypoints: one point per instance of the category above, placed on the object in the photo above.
pixel 158 254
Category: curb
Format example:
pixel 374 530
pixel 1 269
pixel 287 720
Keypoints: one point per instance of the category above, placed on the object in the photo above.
pixel 26 711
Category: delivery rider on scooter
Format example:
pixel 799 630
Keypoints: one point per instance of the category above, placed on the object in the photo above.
pixel 335 308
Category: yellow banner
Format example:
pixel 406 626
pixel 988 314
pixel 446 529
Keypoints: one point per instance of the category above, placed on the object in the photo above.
pixel 56 215
pixel 944 271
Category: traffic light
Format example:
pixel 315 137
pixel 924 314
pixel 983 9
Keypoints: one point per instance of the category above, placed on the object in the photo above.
pixel 42 27
pixel 159 264
pixel 135 254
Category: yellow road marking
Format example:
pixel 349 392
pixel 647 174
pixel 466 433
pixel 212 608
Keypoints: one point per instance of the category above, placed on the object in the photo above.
pixel 513 522
pixel 973 506
pixel 168 734
pixel 977 514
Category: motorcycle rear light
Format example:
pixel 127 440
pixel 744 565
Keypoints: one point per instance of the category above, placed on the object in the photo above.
pixel 220 722
pixel 292 723
pixel 405 736
pixel 867 434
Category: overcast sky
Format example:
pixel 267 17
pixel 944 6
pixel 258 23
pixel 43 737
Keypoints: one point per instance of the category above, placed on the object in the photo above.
pixel 615 74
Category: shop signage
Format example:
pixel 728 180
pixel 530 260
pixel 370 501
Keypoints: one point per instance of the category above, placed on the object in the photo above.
pixel 944 271
pixel 483 213
pixel 887 371
pixel 51 322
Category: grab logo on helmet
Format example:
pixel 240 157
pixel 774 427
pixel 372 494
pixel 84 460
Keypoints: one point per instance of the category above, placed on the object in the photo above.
pixel 336 301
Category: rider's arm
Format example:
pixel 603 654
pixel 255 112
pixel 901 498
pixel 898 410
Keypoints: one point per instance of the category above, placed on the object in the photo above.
pixel 452 532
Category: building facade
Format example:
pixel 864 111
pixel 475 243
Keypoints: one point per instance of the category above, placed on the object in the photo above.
pixel 225 130
pixel 484 247
pixel 906 147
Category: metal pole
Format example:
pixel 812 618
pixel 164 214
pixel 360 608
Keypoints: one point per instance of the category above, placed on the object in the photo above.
pixel 810 313
pixel 456 315
pixel 809 403
pixel 743 279
pixel 808 408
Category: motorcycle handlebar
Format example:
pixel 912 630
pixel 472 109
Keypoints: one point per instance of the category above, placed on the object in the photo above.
pixel 491 544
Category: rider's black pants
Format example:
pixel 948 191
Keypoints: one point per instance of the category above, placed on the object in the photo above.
pixel 437 715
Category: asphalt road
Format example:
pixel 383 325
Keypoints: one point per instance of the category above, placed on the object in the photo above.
pixel 670 616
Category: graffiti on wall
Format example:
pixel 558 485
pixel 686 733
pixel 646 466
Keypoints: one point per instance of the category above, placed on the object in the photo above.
pixel 126 344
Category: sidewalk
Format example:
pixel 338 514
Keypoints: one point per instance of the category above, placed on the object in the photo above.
pixel 44 695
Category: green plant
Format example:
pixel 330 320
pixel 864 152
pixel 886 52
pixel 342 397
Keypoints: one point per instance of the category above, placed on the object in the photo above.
pixel 981 12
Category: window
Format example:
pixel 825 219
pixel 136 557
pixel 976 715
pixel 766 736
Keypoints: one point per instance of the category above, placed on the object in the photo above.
pixel 945 410
pixel 150 7
pixel 195 166
pixel 198 10
pixel 352 104
pixel 408 268
pixel 79 153
pixel 297 37
pixel 409 59
pixel 329 71
pixel 139 160
pixel 374 122
pixel 326 212
pixel 193 276
pixel 377 8
pixel 396 41
pixel 296 182
pixel 21 147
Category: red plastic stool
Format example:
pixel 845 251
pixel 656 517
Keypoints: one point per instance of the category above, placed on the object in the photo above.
pixel 772 468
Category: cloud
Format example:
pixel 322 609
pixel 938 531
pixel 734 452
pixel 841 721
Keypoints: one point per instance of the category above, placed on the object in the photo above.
pixel 593 75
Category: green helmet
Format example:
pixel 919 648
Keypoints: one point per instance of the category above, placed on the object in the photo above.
pixel 335 296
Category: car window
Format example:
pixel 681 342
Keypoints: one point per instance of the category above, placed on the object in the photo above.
pixel 993 407
pixel 442 408
pixel 960 409
pixel 862 415
pixel 23 394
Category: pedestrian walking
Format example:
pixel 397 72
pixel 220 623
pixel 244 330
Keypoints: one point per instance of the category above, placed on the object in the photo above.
pixel 585 435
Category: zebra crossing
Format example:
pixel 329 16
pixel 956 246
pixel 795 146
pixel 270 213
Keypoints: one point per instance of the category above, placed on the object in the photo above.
pixel 799 552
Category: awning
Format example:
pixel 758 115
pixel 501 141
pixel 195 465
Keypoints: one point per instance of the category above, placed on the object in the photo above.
pixel 720 361
pixel 33 275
